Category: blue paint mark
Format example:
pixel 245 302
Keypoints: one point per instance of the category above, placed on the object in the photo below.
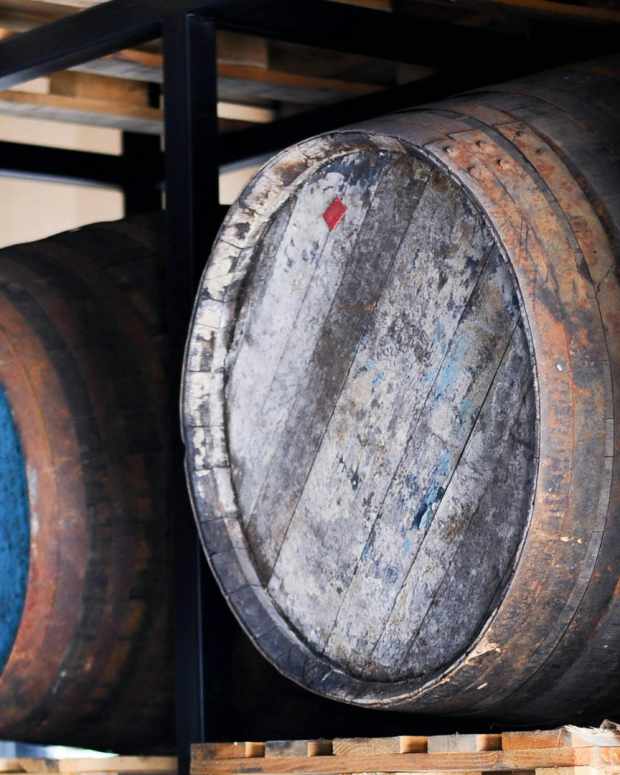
pixel 423 517
pixel 391 574
pixel 454 364
pixel 439 331
pixel 369 365
pixel 467 410
pixel 14 530
pixel 411 482
pixel 378 378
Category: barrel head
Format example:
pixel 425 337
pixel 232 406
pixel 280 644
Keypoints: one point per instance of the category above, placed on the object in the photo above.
pixel 360 414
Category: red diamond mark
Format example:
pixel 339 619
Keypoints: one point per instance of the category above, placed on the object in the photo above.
pixel 333 215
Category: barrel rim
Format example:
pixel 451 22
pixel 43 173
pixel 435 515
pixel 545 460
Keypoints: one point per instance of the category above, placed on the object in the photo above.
pixel 224 544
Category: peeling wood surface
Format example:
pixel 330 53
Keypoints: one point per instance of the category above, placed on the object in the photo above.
pixel 401 399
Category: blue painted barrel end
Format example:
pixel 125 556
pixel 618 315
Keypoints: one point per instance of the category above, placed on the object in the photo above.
pixel 14 529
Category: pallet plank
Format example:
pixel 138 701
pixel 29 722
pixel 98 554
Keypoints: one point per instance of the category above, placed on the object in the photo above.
pixel 276 748
pixel 575 737
pixel 484 761
pixel 130 764
pixel 27 764
pixel 464 743
pixel 220 751
pixel 366 746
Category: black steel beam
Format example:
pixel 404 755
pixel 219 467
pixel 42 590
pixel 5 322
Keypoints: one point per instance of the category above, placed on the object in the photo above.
pixel 62 166
pixel 194 214
pixel 142 157
pixel 357 30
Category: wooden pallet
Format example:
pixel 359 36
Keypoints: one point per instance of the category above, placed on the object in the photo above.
pixel 565 751
pixel 110 765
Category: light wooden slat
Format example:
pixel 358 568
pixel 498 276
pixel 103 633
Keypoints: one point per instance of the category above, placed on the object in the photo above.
pixel 114 115
pixel 28 765
pixel 77 766
pixel 284 748
pixel 575 737
pixel 485 761
pixel 464 743
pixel 219 751
pixel 96 87
pixel 568 771
pixel 208 751
pixel 366 746
pixel 55 107
pixel 124 764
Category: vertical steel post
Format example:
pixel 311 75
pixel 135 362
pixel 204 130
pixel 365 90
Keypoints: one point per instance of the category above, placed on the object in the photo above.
pixel 192 203
pixel 140 154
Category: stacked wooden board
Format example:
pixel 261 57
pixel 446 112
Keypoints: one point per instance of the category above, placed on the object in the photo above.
pixel 569 749
pixel 117 765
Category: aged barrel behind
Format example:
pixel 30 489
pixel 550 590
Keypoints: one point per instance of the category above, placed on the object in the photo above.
pixel 85 424
pixel 401 403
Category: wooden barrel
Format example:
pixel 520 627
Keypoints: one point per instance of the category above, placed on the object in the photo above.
pixel 401 405
pixel 85 568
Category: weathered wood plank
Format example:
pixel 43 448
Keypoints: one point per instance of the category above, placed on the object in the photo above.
pixel 329 466
pixel 293 378
pixel 420 484
pixel 370 264
pixel 272 354
pixel 488 494
pixel 284 748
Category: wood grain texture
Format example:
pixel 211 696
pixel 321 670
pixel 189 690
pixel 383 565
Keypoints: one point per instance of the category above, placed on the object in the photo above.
pixel 464 743
pixel 392 453
pixel 491 761
pixel 364 351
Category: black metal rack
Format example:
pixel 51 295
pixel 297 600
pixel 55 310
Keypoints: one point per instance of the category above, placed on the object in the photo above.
pixel 189 173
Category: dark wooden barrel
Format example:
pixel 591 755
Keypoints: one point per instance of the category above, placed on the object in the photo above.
pixel 401 405
pixel 85 566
